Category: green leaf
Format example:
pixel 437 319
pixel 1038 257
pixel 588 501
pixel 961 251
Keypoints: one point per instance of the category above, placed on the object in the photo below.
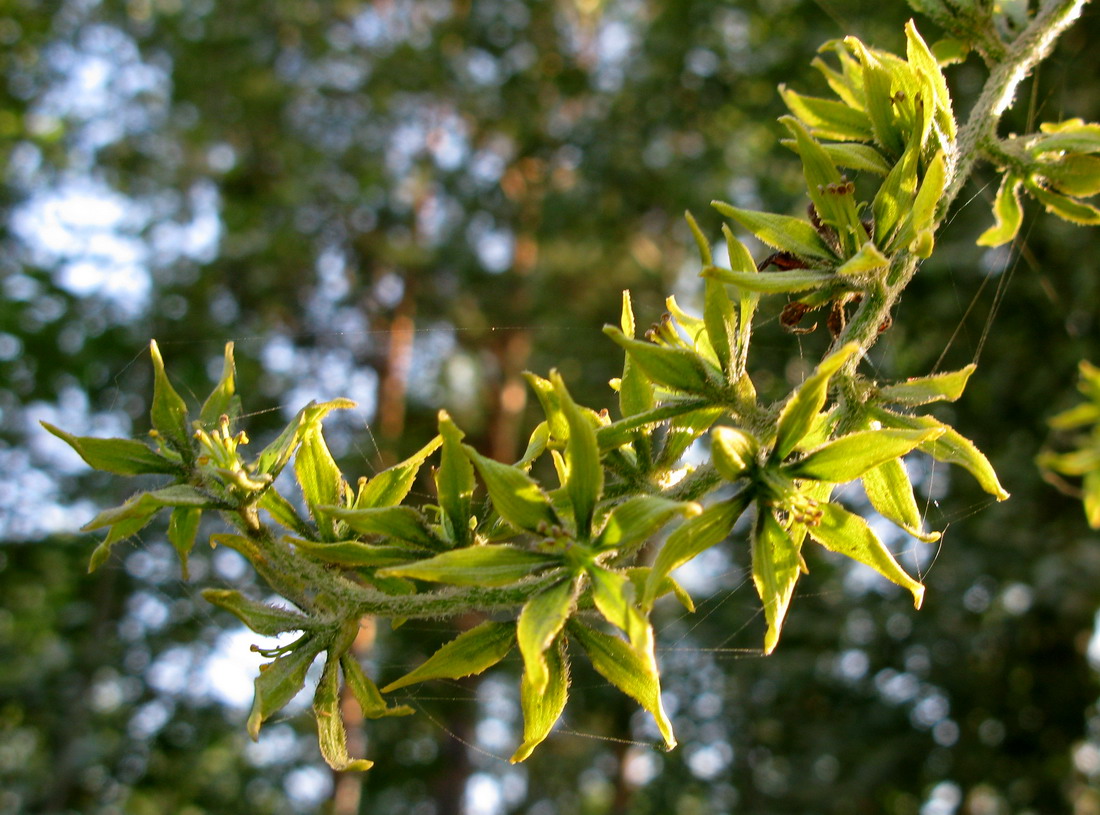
pixel 1007 212
pixel 844 533
pixel 773 282
pixel 849 457
pixel 734 452
pixel 145 504
pixel 894 199
pixel 878 98
pixel 776 565
pixel 390 486
pixel 691 539
pixel 780 232
pixel 926 389
pixel 951 448
pixel 468 654
pixel 700 239
pixel 637 519
pixel 582 454
pixel 1068 209
pixel 633 673
pixel 613 594
pixel 741 261
pixel 403 523
pixel 118 456
pixel 1071 136
pixel 168 412
pixel 283 512
pixel 864 262
pixel 801 409
pixel 183 526
pixel 622 432
pixel 721 323
pixel 540 621
pixel 921 216
pixel 891 494
pixel 355 553
pixel 833 199
pixel 223 400
pixel 279 682
pixel 1075 175
pixel 675 368
pixel 275 456
pixel 515 495
pixel 828 119
pixel 1091 499
pixel 635 391
pixel 1084 414
pixel 860 157
pixel 260 617
pixel 542 707
pixel 331 735
pixel 487 565
pixel 454 483
pixel 682 433
pixel 366 693
pixel 922 59
pixel 536 445
pixel 319 477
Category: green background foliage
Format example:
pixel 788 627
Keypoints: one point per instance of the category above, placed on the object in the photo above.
pixel 410 204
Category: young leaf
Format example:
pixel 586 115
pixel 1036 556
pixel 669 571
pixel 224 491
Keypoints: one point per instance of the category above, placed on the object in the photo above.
pixel 847 534
pixel 773 282
pixel 781 232
pixel 331 735
pixel 721 323
pixel 260 617
pixel 741 261
pixel 283 512
pixel 864 262
pixel 168 412
pixel 279 682
pixel 613 594
pixel 582 454
pixel 366 693
pixel 860 157
pixel 926 389
pixel 950 447
pixel 144 504
pixel 487 565
pixel 454 483
pixel 635 391
pixel 1091 500
pixel 403 523
pixel 540 621
pixel 637 519
pixel 692 538
pixel 776 565
pixel 828 119
pixel 354 553
pixel 675 368
pixel 468 654
pixel 275 456
pixel 632 673
pixel 223 401
pixel 390 486
pixel 734 452
pixel 894 199
pixel 183 526
pixel 118 456
pixel 1068 209
pixel 878 98
pixel 921 216
pixel 801 409
pixel 319 477
pixel 927 64
pixel 543 707
pixel 514 494
pixel 891 494
pixel 1075 175
pixel 849 457
pixel 1007 212
pixel 833 200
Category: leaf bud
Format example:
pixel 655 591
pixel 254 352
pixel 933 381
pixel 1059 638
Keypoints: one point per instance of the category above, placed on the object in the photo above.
pixel 734 452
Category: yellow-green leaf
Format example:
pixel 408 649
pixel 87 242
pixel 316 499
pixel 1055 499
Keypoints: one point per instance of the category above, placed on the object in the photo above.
pixel 260 617
pixel 891 494
pixel 542 707
pixel 849 457
pixel 331 735
pixel 514 494
pixel 118 456
pixel 780 231
pixel 801 409
pixel 487 565
pixel 776 565
pixel 366 693
pixel 540 621
pixel 1007 213
pixel 923 390
pixel 468 654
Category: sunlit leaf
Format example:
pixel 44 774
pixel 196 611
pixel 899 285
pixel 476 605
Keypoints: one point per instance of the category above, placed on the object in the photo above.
pixel 514 494
pixel 331 735
pixel 805 403
pixel 260 617
pixel 542 707
pixel 118 456
pixel 454 483
pixel 848 457
pixel 840 531
pixel 540 621
pixel 1007 212
pixel 488 565
pixel 468 654
pixel 168 412
pixel 776 566
pixel 390 486
pixel 890 492
pixel 582 454
pixel 366 693
pixel 638 518
pixel 223 400
pixel 676 368
pixel 780 232
pixel 279 682
pixel 794 280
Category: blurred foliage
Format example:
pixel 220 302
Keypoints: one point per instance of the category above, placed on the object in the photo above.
pixel 423 199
